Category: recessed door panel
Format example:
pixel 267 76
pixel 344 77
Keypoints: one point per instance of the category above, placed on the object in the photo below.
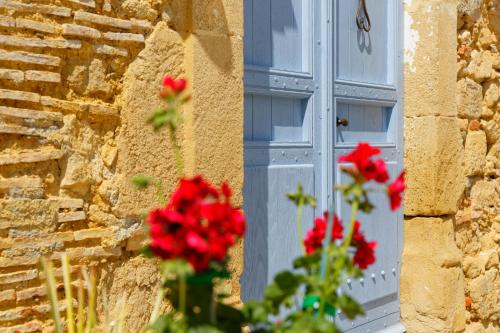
pixel 366 56
pixel 278 33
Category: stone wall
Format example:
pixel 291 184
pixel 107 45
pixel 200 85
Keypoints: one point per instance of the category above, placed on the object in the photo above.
pixel 432 281
pixel 77 81
pixel 450 279
pixel 477 223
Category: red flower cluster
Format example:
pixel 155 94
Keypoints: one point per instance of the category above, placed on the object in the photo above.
pixel 370 170
pixel 172 86
pixel 395 190
pixel 314 237
pixel 365 251
pixel 199 224
pixel 367 169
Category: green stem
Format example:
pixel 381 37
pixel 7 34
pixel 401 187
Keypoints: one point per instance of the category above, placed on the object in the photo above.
pixel 50 284
pixel 354 213
pixel 213 305
pixel 325 263
pixel 299 226
pixel 177 152
pixel 182 294
pixel 68 293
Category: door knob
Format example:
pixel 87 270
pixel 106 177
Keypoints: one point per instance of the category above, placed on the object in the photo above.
pixel 342 122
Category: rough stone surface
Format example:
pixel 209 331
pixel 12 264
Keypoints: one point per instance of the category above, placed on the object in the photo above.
pixel 470 97
pixel 463 169
pixel 79 78
pixel 432 282
pixel 475 153
pixel 433 161
pixel 477 222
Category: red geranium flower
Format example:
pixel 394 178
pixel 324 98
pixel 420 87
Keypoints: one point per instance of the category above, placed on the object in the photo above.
pixel 361 158
pixel 365 254
pixel 172 86
pixel 314 237
pixel 199 224
pixel 365 251
pixel 395 190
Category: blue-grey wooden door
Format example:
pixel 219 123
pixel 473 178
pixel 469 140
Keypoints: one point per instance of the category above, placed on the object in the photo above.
pixel 282 131
pixel 307 64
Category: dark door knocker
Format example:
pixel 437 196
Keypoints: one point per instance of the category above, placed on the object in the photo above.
pixel 362 18
pixel 342 122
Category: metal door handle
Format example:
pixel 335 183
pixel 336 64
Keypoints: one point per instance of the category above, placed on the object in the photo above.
pixel 342 122
pixel 362 18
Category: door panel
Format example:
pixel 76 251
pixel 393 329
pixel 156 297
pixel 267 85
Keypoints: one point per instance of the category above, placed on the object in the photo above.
pixel 366 56
pixel 277 34
pixel 282 133
pixel 307 64
pixel 367 92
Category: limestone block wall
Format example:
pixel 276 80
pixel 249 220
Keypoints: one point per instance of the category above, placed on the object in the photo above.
pixel 77 81
pixel 450 275
pixel 477 223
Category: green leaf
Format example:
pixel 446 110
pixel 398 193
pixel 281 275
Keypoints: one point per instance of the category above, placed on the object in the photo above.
pixel 179 268
pixel 256 312
pixel 301 199
pixel 147 252
pixel 229 319
pixel 141 181
pixel 349 306
pixel 308 262
pixel 273 292
pixel 160 325
pixel 287 281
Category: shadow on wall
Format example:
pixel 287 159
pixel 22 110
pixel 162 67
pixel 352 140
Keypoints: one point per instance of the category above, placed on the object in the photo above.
pixel 206 20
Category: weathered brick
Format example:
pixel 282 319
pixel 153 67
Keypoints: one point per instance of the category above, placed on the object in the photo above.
pixel 69 203
pixel 31 156
pixel 30 58
pixel 24 312
pixel 80 31
pixel 36 8
pixel 32 326
pixel 103 110
pixel 43 76
pixel 93 252
pixel 111 22
pixel 7 22
pixel 124 37
pixel 10 243
pixel 23 96
pixel 35 213
pixel 21 130
pixel 30 293
pixel 20 182
pixel 71 217
pixel 7 296
pixel 111 50
pixel 40 43
pixel 19 261
pixel 35 25
pixel 86 3
pixel 103 20
pixel 18 276
pixel 11 74
pixel 62 104
pixel 93 233
pixel 30 114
